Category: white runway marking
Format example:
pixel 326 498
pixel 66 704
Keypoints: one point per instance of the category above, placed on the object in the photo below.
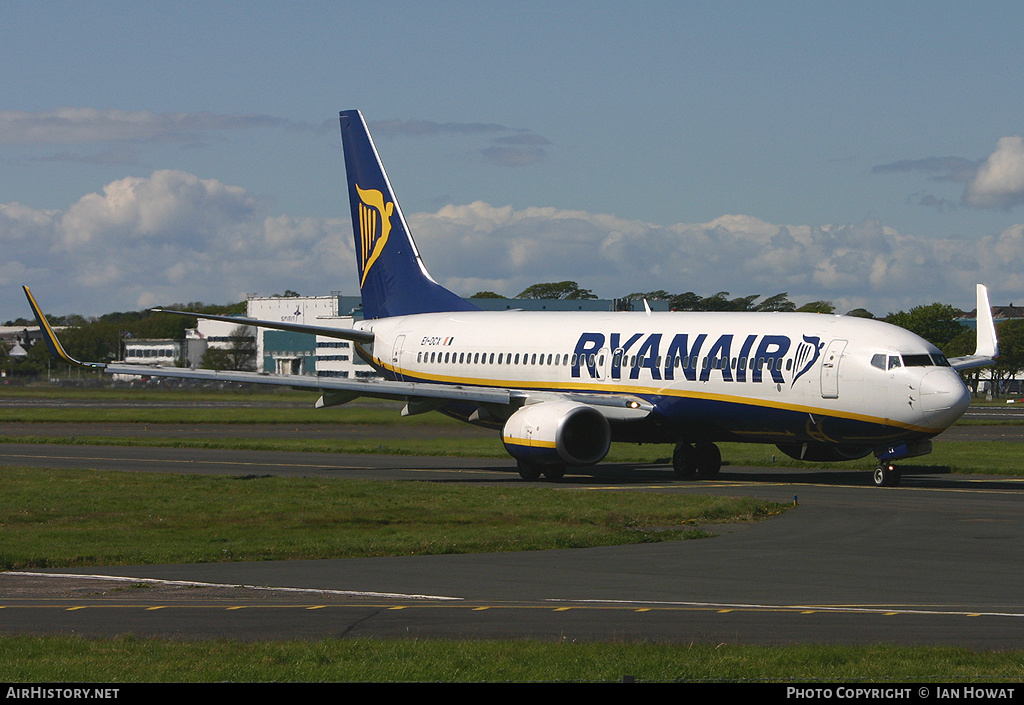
pixel 192 583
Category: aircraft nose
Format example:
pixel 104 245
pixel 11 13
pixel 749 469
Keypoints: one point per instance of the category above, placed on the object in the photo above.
pixel 944 397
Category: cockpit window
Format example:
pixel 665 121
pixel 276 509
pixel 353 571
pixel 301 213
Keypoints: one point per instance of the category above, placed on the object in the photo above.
pixel 891 362
pixel 917 360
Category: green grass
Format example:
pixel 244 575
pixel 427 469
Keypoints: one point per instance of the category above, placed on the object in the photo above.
pixel 56 518
pixel 132 660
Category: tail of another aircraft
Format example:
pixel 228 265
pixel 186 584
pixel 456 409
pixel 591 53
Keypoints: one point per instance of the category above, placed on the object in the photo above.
pixel 392 278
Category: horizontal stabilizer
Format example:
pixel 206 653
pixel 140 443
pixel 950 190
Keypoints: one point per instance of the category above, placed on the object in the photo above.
pixel 359 336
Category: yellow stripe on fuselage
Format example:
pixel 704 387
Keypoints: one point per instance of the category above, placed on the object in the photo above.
pixel 646 391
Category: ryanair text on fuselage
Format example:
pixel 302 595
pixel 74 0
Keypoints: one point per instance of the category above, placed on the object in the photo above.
pixel 683 355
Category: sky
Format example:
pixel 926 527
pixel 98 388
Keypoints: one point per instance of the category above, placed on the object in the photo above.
pixel 864 153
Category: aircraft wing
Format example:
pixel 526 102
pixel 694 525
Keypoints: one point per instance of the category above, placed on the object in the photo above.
pixel 987 348
pixel 335 390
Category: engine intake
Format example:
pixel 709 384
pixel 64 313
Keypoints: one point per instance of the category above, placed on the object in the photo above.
pixel 557 432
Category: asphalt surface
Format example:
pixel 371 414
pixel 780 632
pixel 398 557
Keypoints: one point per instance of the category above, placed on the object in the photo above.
pixel 935 561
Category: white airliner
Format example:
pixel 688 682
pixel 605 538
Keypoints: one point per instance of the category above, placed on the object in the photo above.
pixel 561 386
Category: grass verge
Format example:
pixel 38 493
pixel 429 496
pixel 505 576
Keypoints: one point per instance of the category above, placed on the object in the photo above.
pixel 58 518
pixel 131 660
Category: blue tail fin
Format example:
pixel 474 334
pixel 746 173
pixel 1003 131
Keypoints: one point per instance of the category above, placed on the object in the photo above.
pixel 392 278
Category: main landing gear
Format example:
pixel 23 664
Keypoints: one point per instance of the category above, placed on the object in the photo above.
pixel 703 460
pixel 886 475
pixel 532 471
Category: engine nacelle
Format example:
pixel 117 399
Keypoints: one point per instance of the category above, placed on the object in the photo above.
pixel 557 432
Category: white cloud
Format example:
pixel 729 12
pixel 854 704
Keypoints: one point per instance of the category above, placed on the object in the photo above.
pixel 170 237
pixel 168 205
pixel 999 182
pixel 481 247
pixel 174 237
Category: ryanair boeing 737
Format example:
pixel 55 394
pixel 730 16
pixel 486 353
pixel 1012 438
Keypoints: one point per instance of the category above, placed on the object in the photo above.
pixel 561 386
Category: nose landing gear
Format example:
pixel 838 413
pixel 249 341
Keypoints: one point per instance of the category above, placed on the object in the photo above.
pixel 886 475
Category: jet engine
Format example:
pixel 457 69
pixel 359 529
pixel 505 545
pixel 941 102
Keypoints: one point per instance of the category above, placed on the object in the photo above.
pixel 557 433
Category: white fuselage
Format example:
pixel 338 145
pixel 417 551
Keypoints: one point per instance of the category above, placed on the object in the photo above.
pixel 757 377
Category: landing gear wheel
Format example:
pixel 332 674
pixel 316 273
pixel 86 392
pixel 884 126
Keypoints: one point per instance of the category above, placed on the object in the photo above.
pixel 886 475
pixel 528 470
pixel 709 460
pixel 554 473
pixel 684 461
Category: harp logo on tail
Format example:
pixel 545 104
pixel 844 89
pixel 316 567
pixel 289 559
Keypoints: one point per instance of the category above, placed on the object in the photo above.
pixel 372 238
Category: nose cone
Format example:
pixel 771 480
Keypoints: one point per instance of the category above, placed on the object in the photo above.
pixel 944 397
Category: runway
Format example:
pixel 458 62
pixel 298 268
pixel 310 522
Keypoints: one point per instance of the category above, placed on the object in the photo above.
pixel 935 561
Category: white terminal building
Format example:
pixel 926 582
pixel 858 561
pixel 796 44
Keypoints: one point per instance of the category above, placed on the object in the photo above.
pixel 283 352
pixel 278 352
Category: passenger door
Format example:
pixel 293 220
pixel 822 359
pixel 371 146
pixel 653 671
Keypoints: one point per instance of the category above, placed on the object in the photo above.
pixel 830 369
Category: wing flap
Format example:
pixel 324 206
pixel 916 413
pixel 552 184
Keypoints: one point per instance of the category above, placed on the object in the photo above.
pixel 375 388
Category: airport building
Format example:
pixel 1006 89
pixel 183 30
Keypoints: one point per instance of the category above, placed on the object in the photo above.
pixel 19 339
pixel 284 352
pixel 1000 314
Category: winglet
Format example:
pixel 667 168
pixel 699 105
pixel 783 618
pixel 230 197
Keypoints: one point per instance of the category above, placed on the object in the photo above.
pixel 50 337
pixel 987 345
